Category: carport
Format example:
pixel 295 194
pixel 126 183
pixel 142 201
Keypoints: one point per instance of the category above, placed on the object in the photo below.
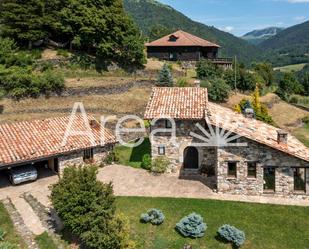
pixel 45 168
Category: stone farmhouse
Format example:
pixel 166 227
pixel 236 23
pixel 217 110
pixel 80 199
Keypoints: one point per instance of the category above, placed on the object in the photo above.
pixel 241 154
pixel 39 142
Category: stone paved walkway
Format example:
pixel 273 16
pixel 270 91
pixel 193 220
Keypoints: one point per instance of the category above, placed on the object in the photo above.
pixel 128 181
pixel 30 219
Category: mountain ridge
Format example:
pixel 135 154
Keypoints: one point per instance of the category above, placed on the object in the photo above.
pixel 290 46
pixel 259 35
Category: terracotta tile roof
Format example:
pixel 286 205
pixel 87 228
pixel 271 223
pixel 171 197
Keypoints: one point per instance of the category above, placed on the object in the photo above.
pixel 177 102
pixel 31 140
pixel 191 103
pixel 183 39
pixel 254 130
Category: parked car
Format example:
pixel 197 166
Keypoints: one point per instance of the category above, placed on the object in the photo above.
pixel 22 174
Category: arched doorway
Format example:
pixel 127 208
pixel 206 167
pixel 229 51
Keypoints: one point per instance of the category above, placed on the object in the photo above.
pixel 190 158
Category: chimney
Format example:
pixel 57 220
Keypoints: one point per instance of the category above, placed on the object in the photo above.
pixel 282 137
pixel 249 113
pixel 93 123
pixel 197 83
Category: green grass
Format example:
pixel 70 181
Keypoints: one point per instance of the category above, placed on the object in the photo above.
pixel 290 68
pixel 303 134
pixel 132 156
pixel 301 100
pixel 265 226
pixel 7 226
pixel 45 241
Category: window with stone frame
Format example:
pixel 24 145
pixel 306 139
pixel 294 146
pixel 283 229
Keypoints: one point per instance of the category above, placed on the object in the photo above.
pixel 161 150
pixel 251 169
pixel 88 155
pixel 232 169
pixel 299 179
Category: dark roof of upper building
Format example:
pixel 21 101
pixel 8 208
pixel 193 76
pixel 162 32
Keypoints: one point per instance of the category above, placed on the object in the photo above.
pixel 181 38
pixel 37 139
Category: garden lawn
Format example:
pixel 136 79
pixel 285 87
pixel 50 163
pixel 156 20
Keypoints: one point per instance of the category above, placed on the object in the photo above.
pixel 45 241
pixel 265 226
pixel 7 226
pixel 132 156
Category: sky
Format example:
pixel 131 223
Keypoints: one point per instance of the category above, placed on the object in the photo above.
pixel 241 16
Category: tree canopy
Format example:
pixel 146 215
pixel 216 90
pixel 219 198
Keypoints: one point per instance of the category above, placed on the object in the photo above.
pixel 95 26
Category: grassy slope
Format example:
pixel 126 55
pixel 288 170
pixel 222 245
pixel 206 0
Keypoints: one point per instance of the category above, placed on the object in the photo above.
pixel 266 226
pixel 6 225
pixel 133 156
pixel 303 134
pixel 290 68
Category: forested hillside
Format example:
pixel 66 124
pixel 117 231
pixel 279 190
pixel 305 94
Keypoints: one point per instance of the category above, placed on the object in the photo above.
pixel 291 46
pixel 156 19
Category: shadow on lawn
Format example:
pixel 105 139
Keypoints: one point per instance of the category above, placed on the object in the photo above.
pixel 224 241
pixel 138 152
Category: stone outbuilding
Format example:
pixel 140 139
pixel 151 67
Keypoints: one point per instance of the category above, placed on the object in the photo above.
pixel 242 155
pixel 42 142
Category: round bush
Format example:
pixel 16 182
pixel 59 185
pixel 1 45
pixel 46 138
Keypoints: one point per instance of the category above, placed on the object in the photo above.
pixel 154 216
pixel 232 234
pixel 192 226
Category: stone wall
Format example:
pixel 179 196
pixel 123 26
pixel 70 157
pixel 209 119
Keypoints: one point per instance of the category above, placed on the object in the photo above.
pixel 76 158
pixel 265 157
pixel 174 151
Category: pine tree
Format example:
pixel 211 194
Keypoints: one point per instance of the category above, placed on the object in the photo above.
pixel 23 20
pixel 165 77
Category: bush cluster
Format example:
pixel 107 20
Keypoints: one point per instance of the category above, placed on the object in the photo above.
pixel 20 82
pixel 154 216
pixel 218 90
pixel 232 234
pixel 159 165
pixel 146 162
pixel 192 226
pixel 19 76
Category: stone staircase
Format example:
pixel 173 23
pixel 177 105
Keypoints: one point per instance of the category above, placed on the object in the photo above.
pixel 31 218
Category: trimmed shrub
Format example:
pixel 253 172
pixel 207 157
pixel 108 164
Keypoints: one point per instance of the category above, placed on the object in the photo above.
pixel 146 162
pixel 159 165
pixel 192 226
pixel 110 158
pixel 232 234
pixel 154 216
pixel 2 234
